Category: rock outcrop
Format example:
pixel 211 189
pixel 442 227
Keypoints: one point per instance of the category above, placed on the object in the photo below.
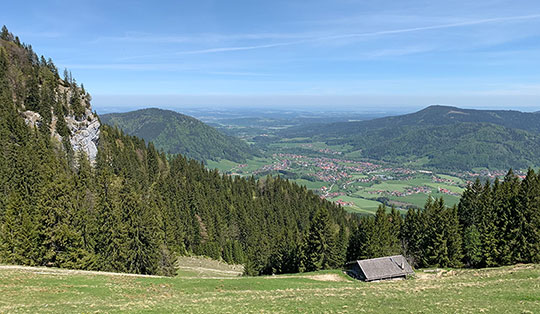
pixel 31 118
pixel 84 134
pixel 48 103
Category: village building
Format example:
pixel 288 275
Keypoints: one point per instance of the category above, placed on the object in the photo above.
pixel 382 268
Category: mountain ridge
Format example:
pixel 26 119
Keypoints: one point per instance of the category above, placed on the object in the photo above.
pixel 436 115
pixel 449 137
pixel 177 133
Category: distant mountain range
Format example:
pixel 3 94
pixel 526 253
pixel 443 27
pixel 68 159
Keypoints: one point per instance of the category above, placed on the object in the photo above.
pixel 440 136
pixel 433 116
pixel 176 133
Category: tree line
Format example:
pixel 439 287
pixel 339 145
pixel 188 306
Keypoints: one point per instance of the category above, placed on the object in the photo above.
pixel 136 208
pixel 495 224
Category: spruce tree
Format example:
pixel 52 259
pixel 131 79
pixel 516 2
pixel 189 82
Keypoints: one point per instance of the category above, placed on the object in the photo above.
pixel 487 227
pixel 505 206
pixel 469 210
pixel 472 247
pixel 319 242
pixel 455 240
pixel 526 226
pixel 414 236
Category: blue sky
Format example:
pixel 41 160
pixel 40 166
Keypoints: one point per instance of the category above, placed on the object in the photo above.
pixel 349 54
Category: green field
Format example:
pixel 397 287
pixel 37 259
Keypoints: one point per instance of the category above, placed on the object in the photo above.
pixel 514 289
pixel 362 205
pixel 226 165
pixel 223 165
pixel 356 192
pixel 448 177
pixel 310 184
pixel 361 184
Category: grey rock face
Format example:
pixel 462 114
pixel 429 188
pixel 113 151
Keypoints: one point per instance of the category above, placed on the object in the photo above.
pixel 84 135
pixel 31 118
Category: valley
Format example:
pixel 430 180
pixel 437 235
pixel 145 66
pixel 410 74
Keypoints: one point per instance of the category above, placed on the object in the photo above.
pixel 359 186
pixel 340 173
pixel 269 158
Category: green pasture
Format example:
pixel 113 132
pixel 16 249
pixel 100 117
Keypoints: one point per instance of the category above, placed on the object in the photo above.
pixel 512 289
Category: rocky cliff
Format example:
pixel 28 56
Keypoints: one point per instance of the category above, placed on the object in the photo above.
pixel 53 105
pixel 84 134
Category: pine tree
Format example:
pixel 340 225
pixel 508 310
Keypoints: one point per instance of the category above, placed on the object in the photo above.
pixel 18 242
pixel 526 225
pixel 396 226
pixel 507 200
pixel 60 240
pixel 472 246
pixel 340 248
pixel 455 240
pixel 319 242
pixel 487 226
pixel 5 34
pixel 436 246
pixel 413 236
pixel 469 210
pixel 32 101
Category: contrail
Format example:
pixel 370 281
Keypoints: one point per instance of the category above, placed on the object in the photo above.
pixel 367 34
pixel 424 28
pixel 224 49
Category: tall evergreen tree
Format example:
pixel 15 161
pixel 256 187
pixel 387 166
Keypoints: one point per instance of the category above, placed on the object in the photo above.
pixel 526 225
pixel 319 243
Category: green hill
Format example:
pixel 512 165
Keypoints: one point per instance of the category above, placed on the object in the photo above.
pixel 176 133
pixel 443 137
pixel 431 116
pixel 128 207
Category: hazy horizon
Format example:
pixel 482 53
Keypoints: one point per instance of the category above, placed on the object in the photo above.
pixel 339 54
pixel 353 103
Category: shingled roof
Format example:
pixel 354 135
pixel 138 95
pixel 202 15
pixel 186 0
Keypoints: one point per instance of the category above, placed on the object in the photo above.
pixel 383 268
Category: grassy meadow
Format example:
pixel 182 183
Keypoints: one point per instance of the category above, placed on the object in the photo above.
pixel 514 289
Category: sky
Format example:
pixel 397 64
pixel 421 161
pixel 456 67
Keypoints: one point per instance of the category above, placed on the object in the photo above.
pixel 338 54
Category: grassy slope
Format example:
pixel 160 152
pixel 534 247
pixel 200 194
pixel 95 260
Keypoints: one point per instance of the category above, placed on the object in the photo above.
pixel 513 289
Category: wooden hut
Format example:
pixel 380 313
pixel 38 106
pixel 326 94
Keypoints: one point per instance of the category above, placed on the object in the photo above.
pixel 382 268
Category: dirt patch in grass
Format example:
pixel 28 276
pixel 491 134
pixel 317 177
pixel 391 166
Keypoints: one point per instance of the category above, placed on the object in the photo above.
pixel 198 266
pixel 317 277
pixel 327 277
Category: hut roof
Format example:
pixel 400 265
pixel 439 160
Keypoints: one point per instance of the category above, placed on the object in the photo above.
pixel 385 267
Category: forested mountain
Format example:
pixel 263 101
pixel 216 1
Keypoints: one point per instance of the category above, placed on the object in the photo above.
pixel 176 133
pixel 432 116
pixel 445 137
pixel 131 208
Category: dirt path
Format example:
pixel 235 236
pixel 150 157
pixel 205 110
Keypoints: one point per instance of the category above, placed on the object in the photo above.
pixel 212 270
pixel 59 271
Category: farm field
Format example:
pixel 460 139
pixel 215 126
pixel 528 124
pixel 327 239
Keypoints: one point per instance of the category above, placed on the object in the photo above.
pixel 358 185
pixel 513 289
